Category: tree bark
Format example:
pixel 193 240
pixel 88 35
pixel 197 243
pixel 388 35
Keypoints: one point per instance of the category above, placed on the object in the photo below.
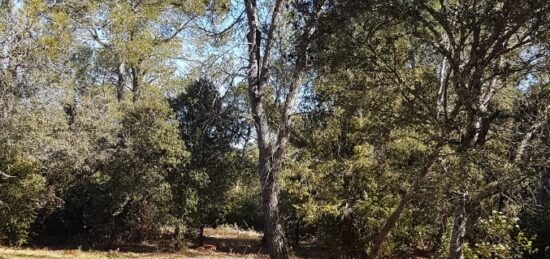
pixel 390 224
pixel 121 72
pixel 201 235
pixel 273 230
pixel 136 84
pixel 530 134
pixel 444 75
pixel 459 229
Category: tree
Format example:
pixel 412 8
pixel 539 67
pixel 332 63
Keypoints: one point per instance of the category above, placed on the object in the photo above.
pixel 479 58
pixel 272 139
pixel 455 105
pixel 211 125
pixel 135 41
pixel 149 152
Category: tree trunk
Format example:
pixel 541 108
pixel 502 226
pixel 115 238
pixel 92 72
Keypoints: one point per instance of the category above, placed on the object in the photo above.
pixel 120 81
pixel 348 236
pixel 136 85
pixel 459 229
pixel 391 222
pixel 201 235
pixel 273 230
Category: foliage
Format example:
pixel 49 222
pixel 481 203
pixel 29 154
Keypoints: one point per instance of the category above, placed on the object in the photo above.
pixel 503 239
pixel 211 126
pixel 125 193
pixel 21 189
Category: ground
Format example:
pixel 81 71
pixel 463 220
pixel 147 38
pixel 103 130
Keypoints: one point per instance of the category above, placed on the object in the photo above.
pixel 222 242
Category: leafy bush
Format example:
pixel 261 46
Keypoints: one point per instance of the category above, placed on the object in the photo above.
pixel 21 188
pixel 126 195
pixel 502 238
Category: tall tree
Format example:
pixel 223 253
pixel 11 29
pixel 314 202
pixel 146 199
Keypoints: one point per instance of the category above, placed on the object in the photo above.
pixel 136 41
pixel 271 139
pixel 484 48
pixel 211 126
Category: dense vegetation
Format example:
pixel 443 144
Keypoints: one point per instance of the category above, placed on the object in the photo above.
pixel 361 128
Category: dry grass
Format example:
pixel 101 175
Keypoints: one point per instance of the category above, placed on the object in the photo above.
pixel 26 253
pixel 232 232
pixel 228 242
pixel 232 240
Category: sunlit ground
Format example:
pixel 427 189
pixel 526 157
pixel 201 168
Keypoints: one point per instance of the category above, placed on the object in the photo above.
pixel 219 243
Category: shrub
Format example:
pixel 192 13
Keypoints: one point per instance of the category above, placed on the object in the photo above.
pixel 21 188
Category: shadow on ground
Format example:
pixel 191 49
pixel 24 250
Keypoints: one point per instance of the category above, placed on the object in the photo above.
pixel 217 243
